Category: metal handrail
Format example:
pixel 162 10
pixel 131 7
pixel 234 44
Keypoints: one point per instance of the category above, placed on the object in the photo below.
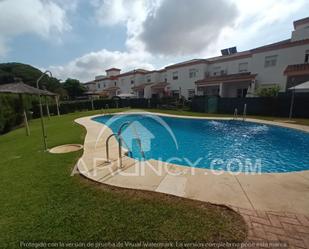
pixel 107 145
pixel 120 140
pixel 140 146
pixel 244 115
pixel 235 114
pixel 122 126
pixel 139 141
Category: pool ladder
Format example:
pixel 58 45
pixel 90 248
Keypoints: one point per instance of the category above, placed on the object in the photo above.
pixel 235 114
pixel 121 141
pixel 244 114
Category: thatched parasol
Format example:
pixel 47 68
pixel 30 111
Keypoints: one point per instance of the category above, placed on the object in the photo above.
pixel 20 88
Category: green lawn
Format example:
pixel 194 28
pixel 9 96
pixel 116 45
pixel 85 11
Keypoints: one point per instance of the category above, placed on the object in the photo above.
pixel 41 201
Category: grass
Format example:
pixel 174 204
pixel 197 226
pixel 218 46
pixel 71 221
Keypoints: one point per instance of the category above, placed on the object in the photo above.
pixel 41 201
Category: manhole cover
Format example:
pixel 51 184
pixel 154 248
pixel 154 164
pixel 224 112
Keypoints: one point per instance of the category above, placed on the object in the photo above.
pixel 66 148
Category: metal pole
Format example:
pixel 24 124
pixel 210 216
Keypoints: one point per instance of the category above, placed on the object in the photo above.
pixel 235 114
pixel 26 123
pixel 119 151
pixel 42 123
pixel 47 108
pixel 244 113
pixel 57 104
pixel 41 108
pixel 292 104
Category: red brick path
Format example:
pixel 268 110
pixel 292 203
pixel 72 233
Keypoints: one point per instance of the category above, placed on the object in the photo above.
pixel 274 226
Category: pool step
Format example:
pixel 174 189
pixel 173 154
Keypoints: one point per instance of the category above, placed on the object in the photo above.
pixel 112 168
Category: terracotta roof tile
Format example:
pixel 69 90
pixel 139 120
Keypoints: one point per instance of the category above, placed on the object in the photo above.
pixel 297 68
pixel 160 85
pixel 226 78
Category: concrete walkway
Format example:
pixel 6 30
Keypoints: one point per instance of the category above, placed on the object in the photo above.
pixel 275 206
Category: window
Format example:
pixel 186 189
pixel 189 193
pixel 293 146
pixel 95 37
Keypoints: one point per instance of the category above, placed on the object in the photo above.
pixel 271 61
pixel 132 81
pixel 216 71
pixel 242 92
pixel 175 75
pixel 99 85
pixel 104 85
pixel 148 78
pixel 192 73
pixel 165 77
pixel 115 83
pixel 307 56
pixel 191 93
pixel 243 67
pixel 175 93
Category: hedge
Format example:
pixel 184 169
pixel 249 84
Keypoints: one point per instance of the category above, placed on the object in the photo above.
pixel 11 113
pixel 11 110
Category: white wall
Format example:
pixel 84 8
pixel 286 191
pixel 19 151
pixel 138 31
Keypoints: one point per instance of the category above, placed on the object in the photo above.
pixel 147 92
pixel 155 77
pixel 112 73
pixel 91 87
pixel 301 32
pixel 229 90
pixel 184 81
pixel 231 67
pixel 275 75
pixel 124 82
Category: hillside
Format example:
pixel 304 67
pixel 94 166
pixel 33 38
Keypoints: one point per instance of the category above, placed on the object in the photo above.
pixel 28 74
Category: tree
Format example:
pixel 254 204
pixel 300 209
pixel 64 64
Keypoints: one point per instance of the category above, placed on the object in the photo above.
pixel 74 88
pixel 268 92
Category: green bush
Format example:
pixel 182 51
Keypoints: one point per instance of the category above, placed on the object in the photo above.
pixel 268 92
pixel 9 113
pixel 11 110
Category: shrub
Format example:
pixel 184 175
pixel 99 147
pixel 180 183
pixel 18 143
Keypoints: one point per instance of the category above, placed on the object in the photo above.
pixel 268 92
pixel 10 116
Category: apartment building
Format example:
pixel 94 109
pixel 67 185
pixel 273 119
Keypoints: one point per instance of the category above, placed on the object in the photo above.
pixel 232 74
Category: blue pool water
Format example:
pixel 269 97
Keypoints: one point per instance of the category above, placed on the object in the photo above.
pixel 214 144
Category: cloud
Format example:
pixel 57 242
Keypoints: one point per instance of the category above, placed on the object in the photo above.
pixel 257 22
pixel 131 14
pixel 87 66
pixel 43 18
pixel 171 28
pixel 70 5
pixel 163 31
pixel 179 27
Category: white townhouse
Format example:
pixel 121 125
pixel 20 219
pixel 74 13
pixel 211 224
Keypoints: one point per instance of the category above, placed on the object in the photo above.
pixel 233 74
pixel 240 74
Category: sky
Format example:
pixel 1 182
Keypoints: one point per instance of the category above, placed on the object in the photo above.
pixel 82 38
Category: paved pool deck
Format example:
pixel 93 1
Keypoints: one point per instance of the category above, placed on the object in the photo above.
pixel 275 206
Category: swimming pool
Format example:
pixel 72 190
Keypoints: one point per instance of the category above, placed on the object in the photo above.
pixel 213 144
